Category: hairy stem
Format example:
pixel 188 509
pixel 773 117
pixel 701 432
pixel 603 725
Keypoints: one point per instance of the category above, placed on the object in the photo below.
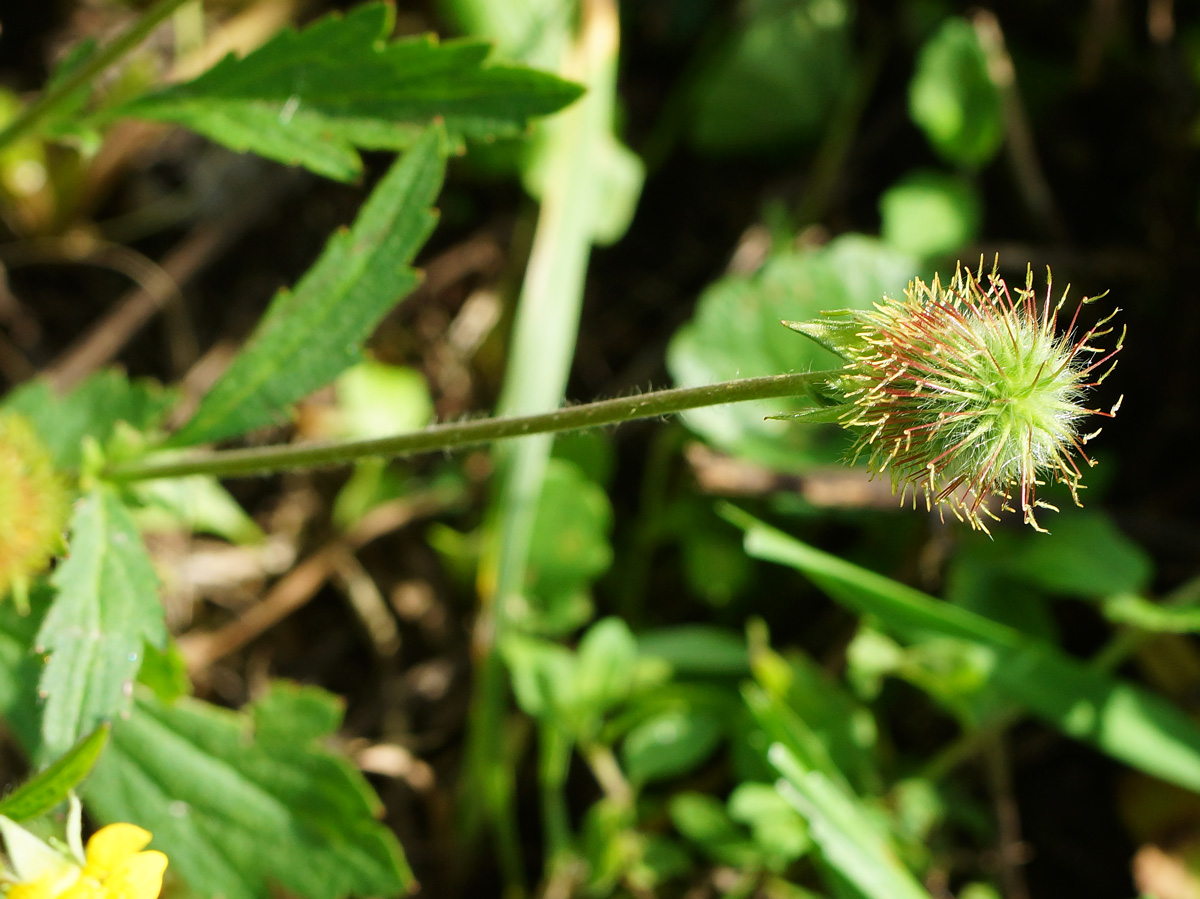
pixel 452 435
pixel 82 76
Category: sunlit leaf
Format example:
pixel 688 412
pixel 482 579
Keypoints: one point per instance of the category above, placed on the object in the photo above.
pixel 953 98
pixel 310 98
pixel 50 786
pixel 248 803
pixel 107 606
pixel 312 334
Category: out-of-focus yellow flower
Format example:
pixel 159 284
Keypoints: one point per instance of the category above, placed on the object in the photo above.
pixel 33 507
pixel 116 865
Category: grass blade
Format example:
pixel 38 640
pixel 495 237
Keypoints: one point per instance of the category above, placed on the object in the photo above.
pixel 1119 718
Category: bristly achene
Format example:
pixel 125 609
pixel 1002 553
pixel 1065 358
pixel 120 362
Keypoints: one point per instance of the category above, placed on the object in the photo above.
pixel 966 392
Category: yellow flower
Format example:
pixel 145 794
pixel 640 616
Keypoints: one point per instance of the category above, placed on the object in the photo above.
pixel 117 865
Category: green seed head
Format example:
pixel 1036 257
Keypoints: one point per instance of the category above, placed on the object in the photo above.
pixel 969 391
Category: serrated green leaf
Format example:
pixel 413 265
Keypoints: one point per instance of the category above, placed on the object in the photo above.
pixel 310 98
pixel 90 410
pixel 295 712
pixel 50 787
pixel 243 805
pixel 164 672
pixel 309 336
pixel 107 605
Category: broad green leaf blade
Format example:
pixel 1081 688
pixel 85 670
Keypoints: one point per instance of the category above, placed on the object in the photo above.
pixel 50 787
pixel 697 649
pixel 736 332
pixel 309 98
pixel 776 79
pixel 107 605
pixel 196 504
pixel 849 839
pixel 92 409
pixel 704 821
pixel 930 214
pixel 1121 719
pixel 605 665
pixel 953 99
pixel 245 804
pixel 1085 555
pixel 21 668
pixel 670 743
pixel 1125 721
pixel 310 336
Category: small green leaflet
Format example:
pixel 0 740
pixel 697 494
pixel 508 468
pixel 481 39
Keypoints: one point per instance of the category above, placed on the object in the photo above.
pixel 92 409
pixel 309 98
pixel 312 334
pixel 248 803
pixel 50 787
pixel 107 605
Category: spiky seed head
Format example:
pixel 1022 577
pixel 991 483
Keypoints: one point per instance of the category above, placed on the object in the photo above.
pixel 969 391
pixel 33 505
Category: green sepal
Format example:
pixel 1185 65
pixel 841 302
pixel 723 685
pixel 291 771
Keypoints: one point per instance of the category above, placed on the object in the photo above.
pixel 835 414
pixel 835 334
pixel 48 788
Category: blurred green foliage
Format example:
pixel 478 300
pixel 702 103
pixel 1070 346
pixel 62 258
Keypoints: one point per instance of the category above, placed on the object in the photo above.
pixel 794 695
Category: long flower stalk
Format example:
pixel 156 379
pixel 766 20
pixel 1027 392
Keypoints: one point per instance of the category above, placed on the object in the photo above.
pixel 453 435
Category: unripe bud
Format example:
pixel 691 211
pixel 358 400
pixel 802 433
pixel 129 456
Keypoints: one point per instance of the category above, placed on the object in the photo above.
pixel 967 392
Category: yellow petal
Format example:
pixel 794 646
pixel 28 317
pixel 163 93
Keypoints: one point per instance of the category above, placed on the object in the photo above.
pixel 83 888
pixel 112 845
pixel 139 877
pixel 32 889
